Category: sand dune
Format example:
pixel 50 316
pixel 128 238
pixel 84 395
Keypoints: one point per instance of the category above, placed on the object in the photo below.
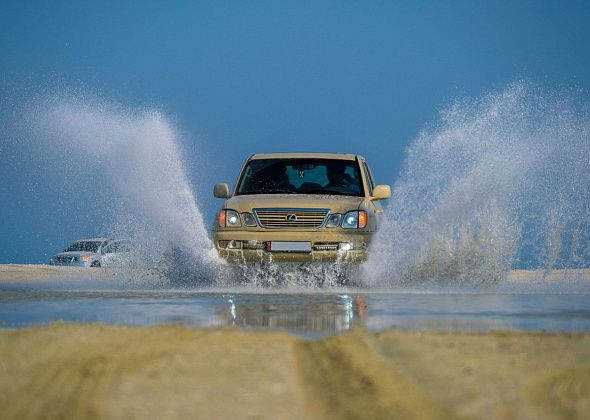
pixel 96 371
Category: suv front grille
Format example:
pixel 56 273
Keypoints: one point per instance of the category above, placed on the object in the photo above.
pixel 291 218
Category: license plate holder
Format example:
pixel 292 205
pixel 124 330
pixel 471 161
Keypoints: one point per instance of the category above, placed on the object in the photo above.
pixel 289 246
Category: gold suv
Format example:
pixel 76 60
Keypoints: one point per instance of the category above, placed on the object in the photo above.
pixel 299 207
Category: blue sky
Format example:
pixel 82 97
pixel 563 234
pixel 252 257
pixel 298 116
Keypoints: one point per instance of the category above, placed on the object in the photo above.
pixel 261 76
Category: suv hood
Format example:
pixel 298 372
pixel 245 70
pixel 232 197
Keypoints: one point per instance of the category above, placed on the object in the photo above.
pixel 336 203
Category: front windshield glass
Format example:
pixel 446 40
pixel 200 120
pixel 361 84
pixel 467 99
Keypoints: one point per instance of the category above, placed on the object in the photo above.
pixel 118 247
pixel 84 246
pixel 301 176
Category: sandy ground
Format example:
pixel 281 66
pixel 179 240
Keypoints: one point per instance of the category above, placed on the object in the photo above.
pixel 95 371
pixel 88 371
pixel 42 273
pixel 524 276
pixel 38 273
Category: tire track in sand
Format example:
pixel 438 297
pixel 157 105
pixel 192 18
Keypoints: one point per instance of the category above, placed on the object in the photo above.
pixel 90 371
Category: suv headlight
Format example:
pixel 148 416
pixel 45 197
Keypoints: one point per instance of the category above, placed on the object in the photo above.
pixel 249 219
pixel 334 220
pixel 355 220
pixel 229 218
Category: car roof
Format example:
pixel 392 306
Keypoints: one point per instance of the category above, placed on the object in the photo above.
pixel 341 156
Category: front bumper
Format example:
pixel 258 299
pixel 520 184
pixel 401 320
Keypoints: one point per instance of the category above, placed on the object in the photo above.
pixel 317 239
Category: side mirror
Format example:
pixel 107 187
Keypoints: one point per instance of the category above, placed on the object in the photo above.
pixel 381 192
pixel 221 191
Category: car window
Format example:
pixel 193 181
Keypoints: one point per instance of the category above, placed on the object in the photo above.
pixel 124 246
pixel 297 177
pixel 118 247
pixel 369 177
pixel 84 246
pixel 304 176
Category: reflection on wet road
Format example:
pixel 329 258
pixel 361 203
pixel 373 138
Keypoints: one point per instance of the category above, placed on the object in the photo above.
pixel 308 314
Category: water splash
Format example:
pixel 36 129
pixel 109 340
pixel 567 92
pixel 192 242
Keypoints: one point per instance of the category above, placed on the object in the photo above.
pixel 289 276
pixel 131 158
pixel 499 182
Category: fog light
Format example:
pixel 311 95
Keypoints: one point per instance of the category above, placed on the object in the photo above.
pixel 345 246
pixel 230 244
pixel 234 245
pixel 349 246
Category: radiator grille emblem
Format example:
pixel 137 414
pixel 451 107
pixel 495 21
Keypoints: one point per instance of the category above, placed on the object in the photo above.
pixel 277 218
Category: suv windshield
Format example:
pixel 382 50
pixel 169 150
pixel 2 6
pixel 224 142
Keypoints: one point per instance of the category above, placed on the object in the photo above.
pixel 301 176
pixel 84 246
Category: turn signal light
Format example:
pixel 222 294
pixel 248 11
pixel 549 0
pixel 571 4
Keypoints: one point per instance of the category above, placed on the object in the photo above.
pixel 362 219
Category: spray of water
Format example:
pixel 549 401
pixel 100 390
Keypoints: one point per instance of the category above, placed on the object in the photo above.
pixel 496 183
pixel 499 182
pixel 131 158
pixel 291 276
